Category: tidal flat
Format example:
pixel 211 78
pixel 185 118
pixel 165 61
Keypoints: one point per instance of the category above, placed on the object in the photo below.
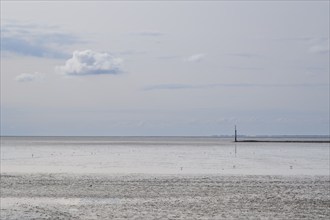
pixel 76 196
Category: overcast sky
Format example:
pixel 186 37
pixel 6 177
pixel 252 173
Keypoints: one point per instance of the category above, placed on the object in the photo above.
pixel 164 68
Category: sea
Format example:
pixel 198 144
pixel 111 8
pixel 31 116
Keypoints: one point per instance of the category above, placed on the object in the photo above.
pixel 212 155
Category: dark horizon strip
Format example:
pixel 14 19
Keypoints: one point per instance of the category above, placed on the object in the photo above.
pixel 282 141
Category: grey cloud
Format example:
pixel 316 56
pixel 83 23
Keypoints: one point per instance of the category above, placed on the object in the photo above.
pixel 245 55
pixel 169 57
pixel 169 87
pixel 317 45
pixel 148 33
pixel 320 45
pixel 15 24
pixel 58 38
pixel 307 39
pixel 320 49
pixel 243 68
pixel 228 85
pixel 88 62
pixel 34 40
pixel 129 52
pixel 316 69
pixel 27 48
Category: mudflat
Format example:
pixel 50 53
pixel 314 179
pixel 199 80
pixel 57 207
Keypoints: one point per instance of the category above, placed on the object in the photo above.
pixel 95 196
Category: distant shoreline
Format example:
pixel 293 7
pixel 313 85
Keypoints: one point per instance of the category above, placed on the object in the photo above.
pixel 283 141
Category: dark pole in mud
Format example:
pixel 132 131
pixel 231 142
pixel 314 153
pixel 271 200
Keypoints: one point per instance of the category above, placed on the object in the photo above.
pixel 235 134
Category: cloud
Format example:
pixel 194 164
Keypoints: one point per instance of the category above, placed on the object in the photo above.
pixel 317 45
pixel 33 40
pixel 307 39
pixel 169 87
pixel 168 57
pixel 175 86
pixel 88 62
pixel 148 33
pixel 195 58
pixel 29 77
pixel 29 48
pixel 244 55
pixel 243 68
pixel 320 49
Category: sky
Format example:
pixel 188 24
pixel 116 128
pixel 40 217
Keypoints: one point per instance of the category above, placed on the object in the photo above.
pixel 164 68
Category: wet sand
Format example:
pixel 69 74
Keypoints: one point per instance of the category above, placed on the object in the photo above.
pixel 75 196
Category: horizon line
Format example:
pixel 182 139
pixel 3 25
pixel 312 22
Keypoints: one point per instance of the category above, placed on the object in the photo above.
pixel 241 135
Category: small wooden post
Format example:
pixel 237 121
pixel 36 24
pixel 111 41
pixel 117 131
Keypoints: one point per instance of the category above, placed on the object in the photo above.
pixel 235 134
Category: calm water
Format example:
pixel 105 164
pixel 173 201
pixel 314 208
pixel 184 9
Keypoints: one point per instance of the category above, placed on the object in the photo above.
pixel 161 155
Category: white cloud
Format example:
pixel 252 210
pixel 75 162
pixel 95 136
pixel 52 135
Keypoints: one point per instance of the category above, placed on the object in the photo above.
pixel 88 62
pixel 195 58
pixel 29 77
